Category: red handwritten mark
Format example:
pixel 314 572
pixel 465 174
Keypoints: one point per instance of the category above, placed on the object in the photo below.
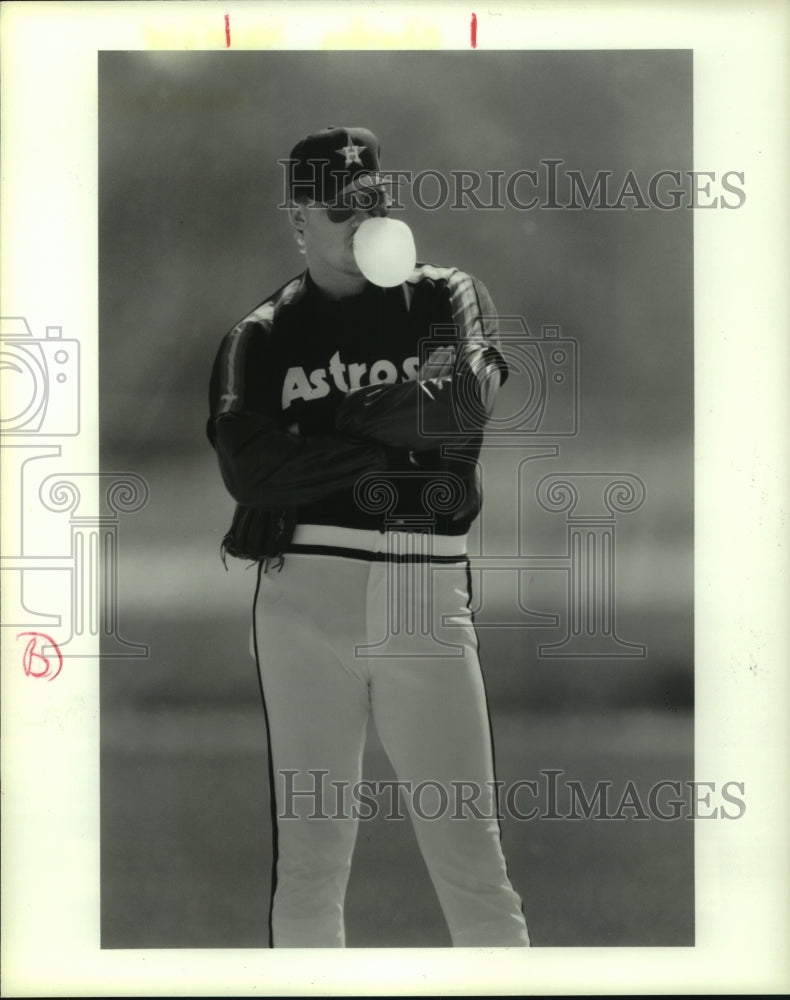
pixel 31 658
pixel 474 31
pixel 227 31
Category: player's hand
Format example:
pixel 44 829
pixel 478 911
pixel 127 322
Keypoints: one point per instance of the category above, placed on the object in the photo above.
pixel 439 363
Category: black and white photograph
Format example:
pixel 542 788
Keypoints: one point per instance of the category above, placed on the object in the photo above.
pixel 552 271
pixel 404 563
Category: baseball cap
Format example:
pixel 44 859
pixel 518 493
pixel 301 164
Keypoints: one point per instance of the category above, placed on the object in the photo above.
pixel 327 164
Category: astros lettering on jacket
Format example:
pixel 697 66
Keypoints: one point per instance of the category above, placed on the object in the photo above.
pixel 298 384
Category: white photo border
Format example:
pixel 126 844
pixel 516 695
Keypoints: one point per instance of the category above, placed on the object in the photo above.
pixel 50 732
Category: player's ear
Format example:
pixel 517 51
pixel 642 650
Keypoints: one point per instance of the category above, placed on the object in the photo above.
pixel 296 215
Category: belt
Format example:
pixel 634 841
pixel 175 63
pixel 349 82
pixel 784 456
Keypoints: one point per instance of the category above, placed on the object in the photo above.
pixel 362 543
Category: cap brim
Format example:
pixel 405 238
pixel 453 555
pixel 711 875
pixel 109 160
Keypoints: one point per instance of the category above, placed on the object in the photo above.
pixel 371 179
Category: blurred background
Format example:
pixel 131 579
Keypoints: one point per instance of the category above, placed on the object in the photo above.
pixel 191 239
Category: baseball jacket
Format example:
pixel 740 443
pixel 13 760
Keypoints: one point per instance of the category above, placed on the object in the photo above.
pixel 317 414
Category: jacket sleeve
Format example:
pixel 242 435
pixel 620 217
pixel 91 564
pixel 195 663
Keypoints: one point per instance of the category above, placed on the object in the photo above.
pixel 427 413
pixel 262 463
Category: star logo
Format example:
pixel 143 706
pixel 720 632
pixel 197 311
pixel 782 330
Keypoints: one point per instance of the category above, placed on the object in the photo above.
pixel 351 153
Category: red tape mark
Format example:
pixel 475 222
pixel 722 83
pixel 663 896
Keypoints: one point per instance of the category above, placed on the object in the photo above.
pixel 474 31
pixel 31 658
pixel 227 31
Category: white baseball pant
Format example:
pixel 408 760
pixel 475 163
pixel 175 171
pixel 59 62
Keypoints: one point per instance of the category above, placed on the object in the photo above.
pixel 343 633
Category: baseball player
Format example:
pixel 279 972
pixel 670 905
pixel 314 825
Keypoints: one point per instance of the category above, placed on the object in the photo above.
pixel 347 419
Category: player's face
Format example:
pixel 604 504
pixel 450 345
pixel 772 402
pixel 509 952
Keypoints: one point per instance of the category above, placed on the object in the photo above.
pixel 329 231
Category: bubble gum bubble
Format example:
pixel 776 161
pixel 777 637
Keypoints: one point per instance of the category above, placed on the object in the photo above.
pixel 384 251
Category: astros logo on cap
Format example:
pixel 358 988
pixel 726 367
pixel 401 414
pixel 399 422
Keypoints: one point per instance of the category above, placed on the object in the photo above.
pixel 351 152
